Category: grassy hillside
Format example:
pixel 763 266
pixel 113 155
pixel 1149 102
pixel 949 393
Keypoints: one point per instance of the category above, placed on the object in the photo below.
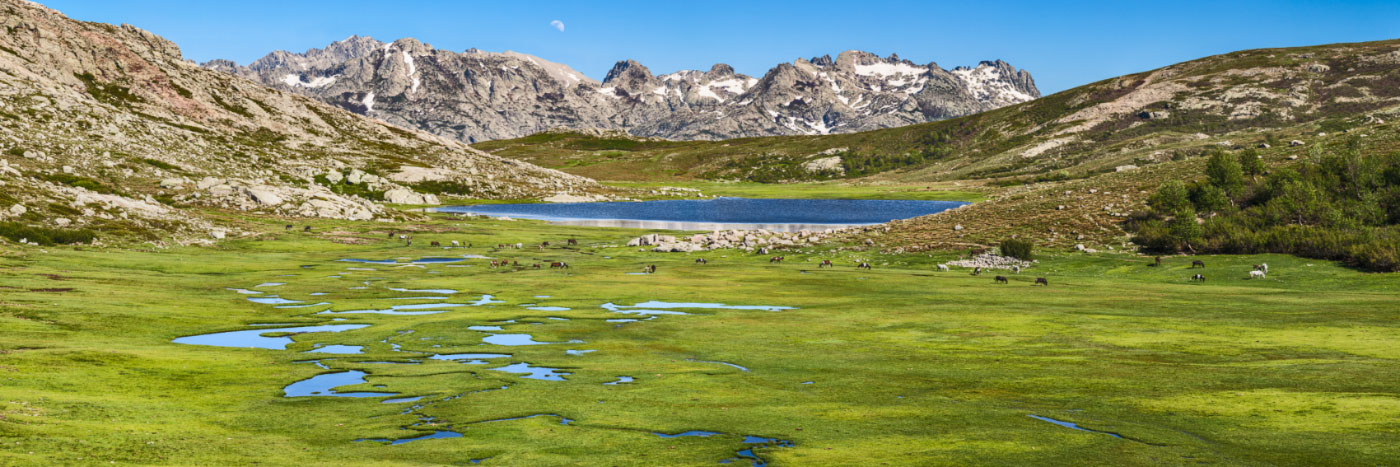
pixel 1251 96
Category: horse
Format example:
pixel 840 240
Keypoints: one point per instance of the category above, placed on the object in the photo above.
pixel 1000 280
pixel 977 271
pixel 1262 268
pixel 826 263
pixel 456 243
pixel 649 269
pixel 500 246
pixel 559 265
pixel 544 244
pixel 1256 274
pixel 519 246
pixel 1198 278
pixel 1016 269
pixel 1158 261
pixel 701 261
pixel 535 266
pixel 289 227
pixel 573 242
pixel 307 229
pixel 1198 263
pixel 775 259
pixel 434 243
pixel 943 267
pixel 977 251
pixel 390 237
pixel 495 264
pixel 516 263
pixel 1041 281
pixel 763 250
pixel 863 265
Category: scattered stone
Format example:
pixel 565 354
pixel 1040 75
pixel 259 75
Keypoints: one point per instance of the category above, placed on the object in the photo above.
pixel 1295 143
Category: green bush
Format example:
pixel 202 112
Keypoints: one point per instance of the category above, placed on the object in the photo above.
pixel 1018 248
pixel 44 236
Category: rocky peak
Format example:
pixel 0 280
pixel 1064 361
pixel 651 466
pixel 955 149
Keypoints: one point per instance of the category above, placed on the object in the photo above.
pixel 628 72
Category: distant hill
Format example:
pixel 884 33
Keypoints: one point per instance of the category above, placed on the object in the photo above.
pixel 107 128
pixel 476 95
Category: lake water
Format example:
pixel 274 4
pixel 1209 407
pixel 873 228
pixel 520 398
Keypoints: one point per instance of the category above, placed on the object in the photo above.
pixel 719 213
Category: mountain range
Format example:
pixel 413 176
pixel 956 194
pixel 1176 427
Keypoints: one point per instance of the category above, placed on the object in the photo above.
pixel 477 95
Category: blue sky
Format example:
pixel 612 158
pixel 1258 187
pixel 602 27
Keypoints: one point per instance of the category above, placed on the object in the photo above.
pixel 1063 44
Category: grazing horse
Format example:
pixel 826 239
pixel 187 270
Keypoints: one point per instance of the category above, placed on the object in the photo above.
pixel 826 263
pixel 1041 281
pixel 516 263
pixel 775 259
pixel 494 264
pixel 1264 268
pixel 1198 278
pixel 1016 269
pixel 500 246
pixel 701 261
pixel 307 229
pixel 535 266
pixel 289 226
pixel 1158 261
pixel 1256 274
pixel 559 265
pixel 977 271
pixel 1000 280
pixel 977 251
pixel 943 267
pixel 573 242
pixel 390 237
pixel 863 265
pixel 544 244
pixel 519 246
pixel 1198 263
pixel 434 243
pixel 763 250
pixel 649 269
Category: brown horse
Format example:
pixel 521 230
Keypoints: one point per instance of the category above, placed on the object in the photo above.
pixel 826 263
pixel 573 242
pixel 559 265
pixel 544 244
pixel 1158 261
pixel 535 266
pixel 434 243
pixel 1041 281
pixel 1196 263
pixel 1001 280
pixel 775 259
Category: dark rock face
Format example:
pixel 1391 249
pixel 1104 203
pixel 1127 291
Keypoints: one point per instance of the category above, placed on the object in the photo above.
pixel 476 95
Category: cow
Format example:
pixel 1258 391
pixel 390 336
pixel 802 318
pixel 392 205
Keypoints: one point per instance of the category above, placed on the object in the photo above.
pixel 1256 274
pixel 943 267
pixel 1041 281
pixel 1196 263
pixel 826 263
pixel 701 261
pixel 1000 280
pixel 1198 278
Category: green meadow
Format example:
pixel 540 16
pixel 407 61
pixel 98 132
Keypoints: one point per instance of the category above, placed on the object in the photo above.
pixel 898 365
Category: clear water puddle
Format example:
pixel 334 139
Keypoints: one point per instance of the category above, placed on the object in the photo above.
pixel 400 400
pixel 1073 426
pixel 245 291
pixel 578 352
pixel 718 363
pixel 437 291
pixel 272 300
pixel 269 284
pixel 484 328
pixel 534 372
pixel 323 385
pixel 403 310
pixel 620 380
pixel 258 338
pixel 309 305
pixel 513 340
pixel 469 358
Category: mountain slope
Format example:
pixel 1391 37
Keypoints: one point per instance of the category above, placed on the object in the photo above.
pixel 107 127
pixel 475 95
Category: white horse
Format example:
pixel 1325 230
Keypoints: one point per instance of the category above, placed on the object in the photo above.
pixel 1264 267
pixel 943 267
pixel 1016 269
pixel 1256 274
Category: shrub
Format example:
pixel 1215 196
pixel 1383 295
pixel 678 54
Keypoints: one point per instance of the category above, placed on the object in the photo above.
pixel 1017 248
pixel 16 231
